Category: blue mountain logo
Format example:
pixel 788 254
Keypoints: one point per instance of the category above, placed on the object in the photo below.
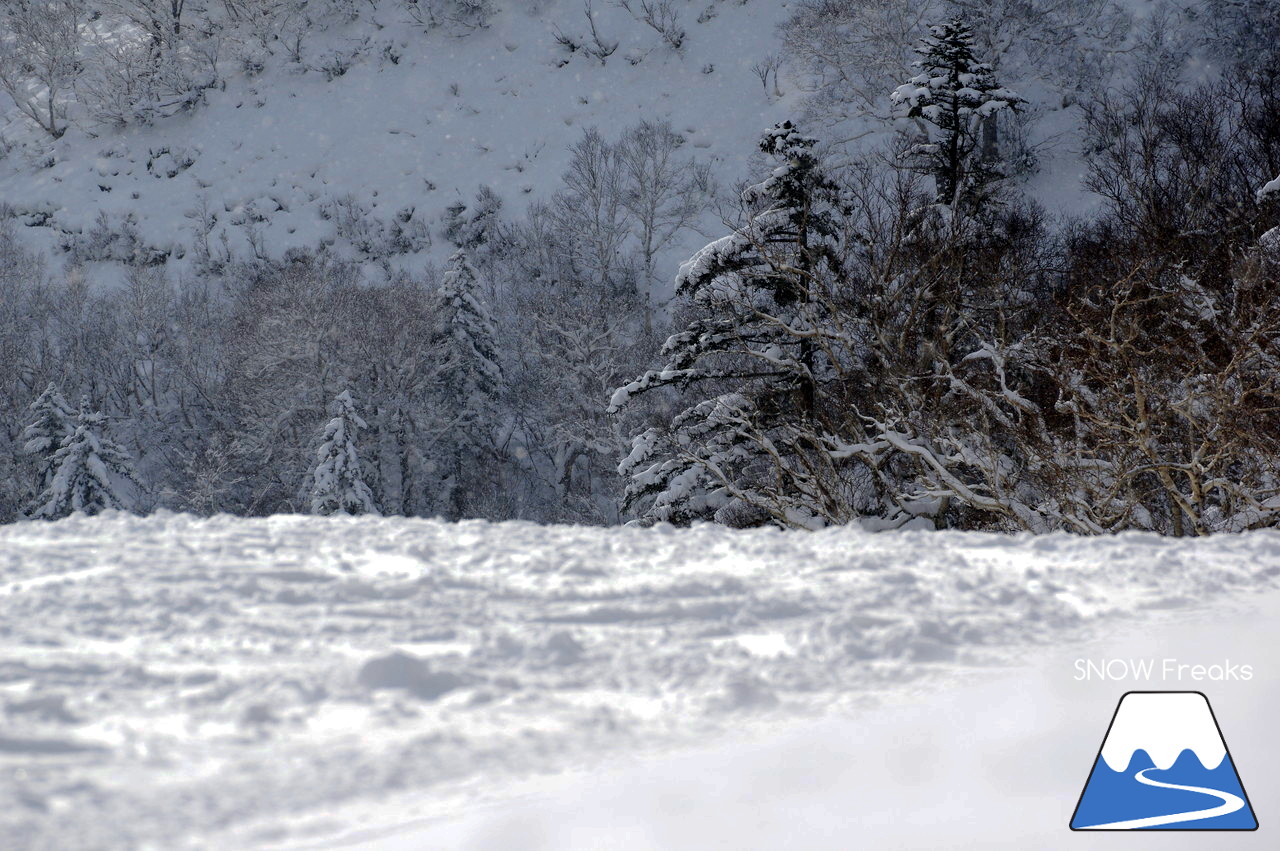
pixel 1164 766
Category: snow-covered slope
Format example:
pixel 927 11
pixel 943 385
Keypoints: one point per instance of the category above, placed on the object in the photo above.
pixel 417 123
pixel 167 680
pixel 1163 726
pixel 998 766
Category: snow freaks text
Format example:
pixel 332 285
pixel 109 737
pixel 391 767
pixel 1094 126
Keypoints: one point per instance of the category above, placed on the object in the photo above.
pixel 1166 670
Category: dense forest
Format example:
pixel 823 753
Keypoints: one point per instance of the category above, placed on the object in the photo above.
pixel 893 321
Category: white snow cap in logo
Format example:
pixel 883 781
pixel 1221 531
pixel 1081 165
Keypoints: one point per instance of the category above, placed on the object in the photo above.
pixel 1164 725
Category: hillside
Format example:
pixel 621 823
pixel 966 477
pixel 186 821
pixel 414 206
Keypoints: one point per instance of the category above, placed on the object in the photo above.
pixel 293 156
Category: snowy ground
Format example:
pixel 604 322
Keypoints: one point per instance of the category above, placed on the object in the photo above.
pixel 169 682
pixel 997 767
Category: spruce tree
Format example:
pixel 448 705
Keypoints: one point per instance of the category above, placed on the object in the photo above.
pixel 337 481
pixel 88 471
pixel 468 380
pixel 959 97
pixel 466 345
pixel 750 360
pixel 52 419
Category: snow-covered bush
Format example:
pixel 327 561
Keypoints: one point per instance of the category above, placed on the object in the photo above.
pixel 473 226
pixel 355 222
pixel 462 15
pixel 113 86
pixel 169 163
pixel 113 238
pixel 336 63
pixel 407 232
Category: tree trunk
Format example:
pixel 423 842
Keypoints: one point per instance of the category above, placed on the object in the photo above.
pixel 990 138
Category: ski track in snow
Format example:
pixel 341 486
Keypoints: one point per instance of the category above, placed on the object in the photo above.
pixel 1230 803
pixel 175 682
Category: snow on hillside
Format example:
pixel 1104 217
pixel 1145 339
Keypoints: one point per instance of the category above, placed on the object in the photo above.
pixel 168 680
pixel 416 123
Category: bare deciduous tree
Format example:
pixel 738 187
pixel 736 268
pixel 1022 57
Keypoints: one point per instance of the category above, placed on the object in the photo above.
pixel 40 58
pixel 768 68
pixel 600 47
pixel 660 15
pixel 664 192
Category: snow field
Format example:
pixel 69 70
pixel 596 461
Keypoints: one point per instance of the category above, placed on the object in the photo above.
pixel 996 765
pixel 167 679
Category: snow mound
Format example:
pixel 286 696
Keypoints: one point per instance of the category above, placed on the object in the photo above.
pixel 409 673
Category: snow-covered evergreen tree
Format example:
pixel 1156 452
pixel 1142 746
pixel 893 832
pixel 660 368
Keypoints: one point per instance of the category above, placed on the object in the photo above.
pixel 757 349
pixel 468 381
pixel 959 97
pixel 91 472
pixel 469 371
pixel 337 482
pixel 52 419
